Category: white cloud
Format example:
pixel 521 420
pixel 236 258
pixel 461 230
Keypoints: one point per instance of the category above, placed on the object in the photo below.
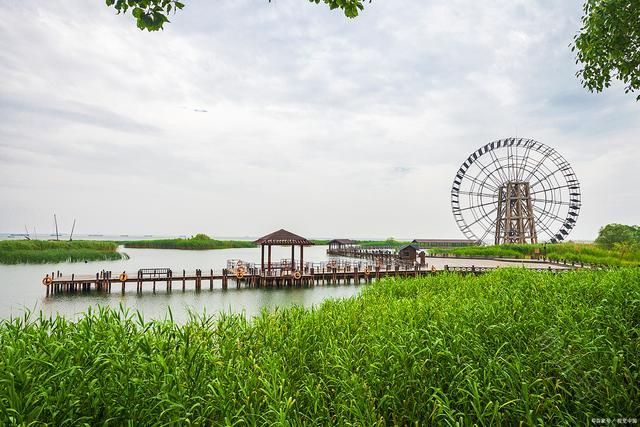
pixel 328 126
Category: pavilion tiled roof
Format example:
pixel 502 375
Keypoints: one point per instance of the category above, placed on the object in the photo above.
pixel 284 238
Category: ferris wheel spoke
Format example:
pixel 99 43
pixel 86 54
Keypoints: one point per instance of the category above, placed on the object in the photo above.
pixel 515 162
pixel 546 229
pixel 545 178
pixel 481 183
pixel 535 168
pixel 481 218
pixel 474 206
pixel 487 231
pixel 499 166
pixel 473 193
pixel 549 214
pixel 551 189
pixel 556 202
pixel 490 176
pixel 525 162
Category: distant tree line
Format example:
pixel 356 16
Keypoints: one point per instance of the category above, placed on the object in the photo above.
pixel 619 236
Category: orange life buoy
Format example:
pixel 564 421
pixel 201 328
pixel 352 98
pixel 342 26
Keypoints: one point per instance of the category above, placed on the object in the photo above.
pixel 239 273
pixel 367 271
pixel 433 268
pixel 297 275
pixel 47 280
pixel 123 277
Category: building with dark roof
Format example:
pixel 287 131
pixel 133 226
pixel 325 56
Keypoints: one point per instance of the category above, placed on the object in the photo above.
pixel 408 252
pixel 445 243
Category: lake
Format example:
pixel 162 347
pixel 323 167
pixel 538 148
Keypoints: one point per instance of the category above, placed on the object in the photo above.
pixel 21 287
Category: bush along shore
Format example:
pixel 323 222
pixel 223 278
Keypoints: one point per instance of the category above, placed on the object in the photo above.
pixel 508 347
pixel 571 252
pixel 45 251
pixel 197 242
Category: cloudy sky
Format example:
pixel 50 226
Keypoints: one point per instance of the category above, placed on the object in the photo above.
pixel 243 117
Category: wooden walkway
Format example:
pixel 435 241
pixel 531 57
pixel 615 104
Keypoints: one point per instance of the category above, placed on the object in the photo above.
pixel 246 275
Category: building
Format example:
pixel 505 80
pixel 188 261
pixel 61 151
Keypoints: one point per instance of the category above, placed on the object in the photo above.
pixel 408 252
pixel 445 243
pixel 338 244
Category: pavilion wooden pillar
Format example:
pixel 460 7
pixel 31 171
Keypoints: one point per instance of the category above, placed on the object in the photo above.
pixel 302 258
pixel 293 254
pixel 269 269
pixel 262 261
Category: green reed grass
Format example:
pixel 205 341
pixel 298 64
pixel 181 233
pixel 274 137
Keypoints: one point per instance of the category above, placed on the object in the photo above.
pixel 197 242
pixel 569 251
pixel 509 347
pixel 45 251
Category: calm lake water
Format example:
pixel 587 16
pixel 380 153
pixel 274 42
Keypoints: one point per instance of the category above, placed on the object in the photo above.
pixel 21 288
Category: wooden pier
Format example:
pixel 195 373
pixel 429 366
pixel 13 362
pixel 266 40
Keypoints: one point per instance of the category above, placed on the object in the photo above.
pixel 244 275
pixel 374 263
pixel 382 253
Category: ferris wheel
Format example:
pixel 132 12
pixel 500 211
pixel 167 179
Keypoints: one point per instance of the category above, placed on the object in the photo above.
pixel 516 190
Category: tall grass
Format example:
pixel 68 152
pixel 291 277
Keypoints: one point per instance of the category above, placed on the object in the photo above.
pixel 198 242
pixel 44 251
pixel 509 347
pixel 576 252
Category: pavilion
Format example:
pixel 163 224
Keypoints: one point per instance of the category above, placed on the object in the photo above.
pixel 282 238
pixel 338 244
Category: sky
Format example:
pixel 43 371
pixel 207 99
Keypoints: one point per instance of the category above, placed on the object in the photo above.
pixel 244 117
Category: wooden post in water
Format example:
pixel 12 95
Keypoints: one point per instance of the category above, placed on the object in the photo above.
pixel 211 280
pixel 224 279
pixel 183 280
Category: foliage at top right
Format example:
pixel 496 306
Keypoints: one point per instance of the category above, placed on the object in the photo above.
pixel 608 44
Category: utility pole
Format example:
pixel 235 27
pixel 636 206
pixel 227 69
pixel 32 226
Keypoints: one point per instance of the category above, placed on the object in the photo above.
pixel 72 228
pixel 56 221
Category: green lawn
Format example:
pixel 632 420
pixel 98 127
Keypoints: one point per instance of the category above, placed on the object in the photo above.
pixel 508 347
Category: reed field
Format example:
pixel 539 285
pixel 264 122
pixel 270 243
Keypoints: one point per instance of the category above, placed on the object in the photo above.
pixel 569 251
pixel 508 347
pixel 49 251
pixel 197 242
